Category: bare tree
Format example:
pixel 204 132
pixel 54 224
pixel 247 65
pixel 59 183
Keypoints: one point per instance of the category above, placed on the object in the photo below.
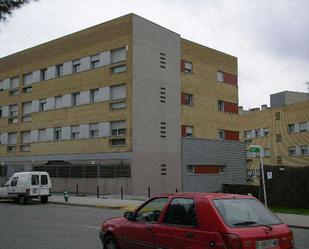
pixel 8 6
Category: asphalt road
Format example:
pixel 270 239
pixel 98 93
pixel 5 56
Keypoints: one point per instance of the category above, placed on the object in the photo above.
pixel 39 226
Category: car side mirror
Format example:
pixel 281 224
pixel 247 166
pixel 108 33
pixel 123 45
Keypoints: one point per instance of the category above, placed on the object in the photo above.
pixel 129 216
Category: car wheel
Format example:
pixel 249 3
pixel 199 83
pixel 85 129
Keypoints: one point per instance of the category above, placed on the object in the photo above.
pixel 110 243
pixel 44 199
pixel 22 200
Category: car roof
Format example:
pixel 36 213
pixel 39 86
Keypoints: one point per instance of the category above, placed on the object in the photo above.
pixel 30 172
pixel 207 195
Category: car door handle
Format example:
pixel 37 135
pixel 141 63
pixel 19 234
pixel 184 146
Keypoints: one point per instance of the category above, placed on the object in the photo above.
pixel 189 235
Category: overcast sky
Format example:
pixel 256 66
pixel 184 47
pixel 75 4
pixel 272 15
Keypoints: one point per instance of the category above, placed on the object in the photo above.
pixel 270 38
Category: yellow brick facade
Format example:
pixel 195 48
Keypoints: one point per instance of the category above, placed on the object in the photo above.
pixel 104 37
pixel 277 121
pixel 204 115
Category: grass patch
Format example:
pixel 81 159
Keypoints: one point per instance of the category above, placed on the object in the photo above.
pixel 302 211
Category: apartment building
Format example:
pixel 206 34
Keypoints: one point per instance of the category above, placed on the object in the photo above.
pixel 116 105
pixel 282 130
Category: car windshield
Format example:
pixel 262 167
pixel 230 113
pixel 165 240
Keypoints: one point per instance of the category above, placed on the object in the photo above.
pixel 245 212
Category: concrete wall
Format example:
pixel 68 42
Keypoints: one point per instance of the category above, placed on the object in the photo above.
pixel 287 98
pixel 230 154
pixel 151 83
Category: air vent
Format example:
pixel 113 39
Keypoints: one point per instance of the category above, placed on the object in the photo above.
pixel 163 129
pixel 278 138
pixel 163 169
pixel 277 116
pixel 279 160
pixel 163 60
pixel 162 94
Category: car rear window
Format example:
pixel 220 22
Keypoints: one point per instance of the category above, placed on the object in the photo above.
pixel 241 212
pixel 44 180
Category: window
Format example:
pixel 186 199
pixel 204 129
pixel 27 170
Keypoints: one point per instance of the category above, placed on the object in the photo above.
pixel 267 152
pixel 57 134
pixel 187 131
pixel 118 92
pixel 118 142
pixel 11 149
pixel 75 132
pixel 14 82
pixel 95 61
pixel 186 67
pixel 35 180
pixel 94 130
pixel 220 76
pixel 221 135
pixel 42 135
pixel 304 150
pixel 303 127
pixel 221 105
pixel 94 96
pixel 291 128
pixel 58 102
pixel 118 55
pixel 43 74
pixel 44 180
pixel 151 211
pixel 1 111
pixel 76 66
pixel 26 108
pixel 25 137
pixel 27 79
pixel 118 128
pixel 257 133
pixel 26 118
pixel 292 151
pixel 59 70
pixel 14 181
pixel 75 99
pixel 266 132
pixel 42 105
pixel 186 99
pixel 118 69
pixel 25 148
pixel 12 138
pixel 181 211
pixel 27 89
pixel 118 105
pixel 13 120
pixel 247 134
pixel 14 92
pixel 13 110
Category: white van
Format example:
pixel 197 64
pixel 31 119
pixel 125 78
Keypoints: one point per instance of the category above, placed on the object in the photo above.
pixel 24 186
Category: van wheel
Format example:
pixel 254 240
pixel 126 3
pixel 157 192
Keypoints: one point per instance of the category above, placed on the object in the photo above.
pixel 22 200
pixel 44 199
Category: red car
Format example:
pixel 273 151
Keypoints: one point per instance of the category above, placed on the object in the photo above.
pixel 197 221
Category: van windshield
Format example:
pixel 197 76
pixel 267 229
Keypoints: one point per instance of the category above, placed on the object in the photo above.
pixel 245 212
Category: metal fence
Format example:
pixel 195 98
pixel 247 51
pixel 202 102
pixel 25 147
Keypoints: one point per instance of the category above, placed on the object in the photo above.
pixel 93 171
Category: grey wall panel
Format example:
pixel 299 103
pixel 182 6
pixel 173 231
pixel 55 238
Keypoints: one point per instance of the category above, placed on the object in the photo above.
pixel 34 136
pixel 150 150
pixel 67 100
pixel 85 63
pixel 51 72
pixel 84 131
pixel 104 129
pixel 104 94
pixel 67 68
pixel 6 84
pixel 66 132
pixel 230 154
pixel 105 58
pixel 36 76
pixel 5 111
pixel 84 98
pixel 35 106
pixel 4 138
pixel 50 103
pixel 49 134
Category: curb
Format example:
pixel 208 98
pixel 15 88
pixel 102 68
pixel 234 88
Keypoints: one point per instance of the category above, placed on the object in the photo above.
pixel 298 227
pixel 125 208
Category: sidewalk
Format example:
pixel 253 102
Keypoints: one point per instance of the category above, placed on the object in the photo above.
pixel 293 220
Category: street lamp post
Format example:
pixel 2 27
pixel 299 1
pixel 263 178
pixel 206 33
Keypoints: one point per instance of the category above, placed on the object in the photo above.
pixel 258 148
